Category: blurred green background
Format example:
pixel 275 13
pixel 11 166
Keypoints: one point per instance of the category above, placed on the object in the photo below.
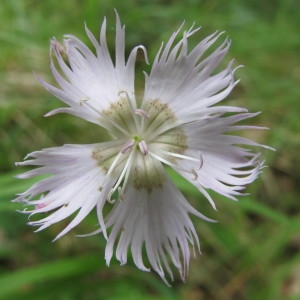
pixel 253 251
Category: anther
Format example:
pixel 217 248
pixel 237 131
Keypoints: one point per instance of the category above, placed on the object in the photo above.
pixel 142 113
pixel 195 174
pixel 58 47
pixel 200 160
pixel 143 147
pixel 83 100
pixel 40 205
pixel 127 146
pixel 123 92
pixel 121 194
pixel 110 193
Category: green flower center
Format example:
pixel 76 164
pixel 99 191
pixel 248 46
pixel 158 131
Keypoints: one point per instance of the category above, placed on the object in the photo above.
pixel 144 140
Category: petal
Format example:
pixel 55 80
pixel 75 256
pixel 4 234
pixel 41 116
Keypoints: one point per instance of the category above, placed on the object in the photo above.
pixel 89 82
pixel 228 164
pixel 77 184
pixel 159 219
pixel 186 83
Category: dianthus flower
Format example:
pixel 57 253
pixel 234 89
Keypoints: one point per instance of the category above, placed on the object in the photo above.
pixel 177 124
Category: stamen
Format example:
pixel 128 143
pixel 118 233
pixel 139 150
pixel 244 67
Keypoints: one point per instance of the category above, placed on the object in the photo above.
pixel 128 99
pixel 127 146
pixel 121 194
pixel 58 47
pixel 201 161
pixel 130 158
pixel 195 174
pixel 183 157
pixel 142 113
pixel 40 205
pixel 114 164
pixel 132 109
pixel 125 173
pixel 143 147
pixel 84 101
pixel 111 201
pixel 144 117
pixel 128 162
pixel 193 171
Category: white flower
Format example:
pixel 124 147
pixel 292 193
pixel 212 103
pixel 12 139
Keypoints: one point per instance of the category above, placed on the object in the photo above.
pixel 176 123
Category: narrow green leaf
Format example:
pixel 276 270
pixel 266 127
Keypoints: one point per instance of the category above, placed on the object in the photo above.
pixel 250 205
pixel 14 281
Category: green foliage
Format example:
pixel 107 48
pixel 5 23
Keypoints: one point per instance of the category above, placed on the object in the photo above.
pixel 253 250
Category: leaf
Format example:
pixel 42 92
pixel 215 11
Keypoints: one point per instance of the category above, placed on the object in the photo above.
pixel 13 282
pixel 250 205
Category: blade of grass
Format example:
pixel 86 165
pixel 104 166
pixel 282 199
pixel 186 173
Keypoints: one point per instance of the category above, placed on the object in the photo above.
pixel 14 281
pixel 250 205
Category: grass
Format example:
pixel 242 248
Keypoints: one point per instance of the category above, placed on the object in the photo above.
pixel 253 251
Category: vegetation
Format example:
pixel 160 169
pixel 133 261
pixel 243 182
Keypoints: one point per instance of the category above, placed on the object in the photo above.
pixel 253 251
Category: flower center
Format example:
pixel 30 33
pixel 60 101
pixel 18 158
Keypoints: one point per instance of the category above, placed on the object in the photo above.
pixel 145 139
